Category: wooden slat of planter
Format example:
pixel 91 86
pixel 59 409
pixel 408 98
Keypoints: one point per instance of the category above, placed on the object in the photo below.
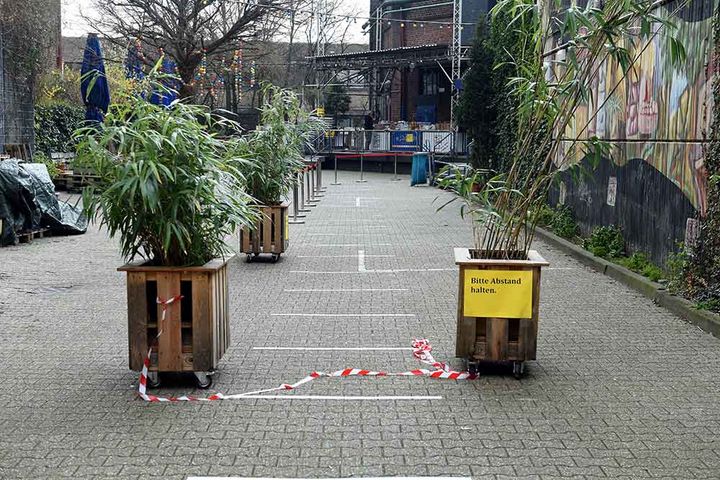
pixel 226 320
pixel 245 240
pixel 218 315
pixel 201 328
pixel 277 218
pixel 221 309
pixel 267 237
pixel 466 327
pixel 137 320
pixel 170 342
pixel 497 343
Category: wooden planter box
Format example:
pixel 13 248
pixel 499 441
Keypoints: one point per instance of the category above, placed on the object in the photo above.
pixel 270 235
pixel 196 333
pixel 498 308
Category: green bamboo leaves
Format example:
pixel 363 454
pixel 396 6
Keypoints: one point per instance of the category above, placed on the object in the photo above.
pixel 168 187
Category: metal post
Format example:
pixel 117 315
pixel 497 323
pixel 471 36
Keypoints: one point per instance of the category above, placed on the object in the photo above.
pixel 316 183
pixel 309 200
pixel 362 172
pixel 313 184
pixel 321 160
pixel 301 181
pixel 395 177
pixel 336 180
pixel 296 208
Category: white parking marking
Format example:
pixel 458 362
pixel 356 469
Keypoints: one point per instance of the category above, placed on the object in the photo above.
pixel 344 256
pixel 334 349
pixel 352 315
pixel 309 290
pixel 361 261
pixel 356 478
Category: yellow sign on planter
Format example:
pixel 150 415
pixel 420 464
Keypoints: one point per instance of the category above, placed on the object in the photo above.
pixel 498 293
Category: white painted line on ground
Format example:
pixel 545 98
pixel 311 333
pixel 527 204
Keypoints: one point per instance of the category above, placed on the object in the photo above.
pixel 559 268
pixel 361 261
pixel 344 256
pixel 347 234
pixel 357 202
pixel 335 349
pixel 314 272
pixel 309 290
pixel 403 270
pixel 356 478
pixel 341 398
pixel 361 227
pixel 352 245
pixel 344 315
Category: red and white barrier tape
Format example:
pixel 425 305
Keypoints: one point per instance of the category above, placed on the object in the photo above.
pixel 422 351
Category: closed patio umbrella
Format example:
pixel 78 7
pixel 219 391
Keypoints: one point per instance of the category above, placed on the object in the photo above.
pixel 94 85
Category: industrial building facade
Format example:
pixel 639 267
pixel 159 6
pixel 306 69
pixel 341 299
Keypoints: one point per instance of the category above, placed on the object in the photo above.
pixel 418 50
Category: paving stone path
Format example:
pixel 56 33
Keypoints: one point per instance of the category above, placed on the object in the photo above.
pixel 622 388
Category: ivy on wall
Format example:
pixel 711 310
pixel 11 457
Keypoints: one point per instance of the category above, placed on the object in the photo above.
pixel 488 109
pixel 703 277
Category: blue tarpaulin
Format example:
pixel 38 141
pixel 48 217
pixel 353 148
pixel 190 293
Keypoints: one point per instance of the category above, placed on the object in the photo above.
pixel 94 85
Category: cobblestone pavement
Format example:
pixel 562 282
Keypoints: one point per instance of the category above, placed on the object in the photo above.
pixel 622 388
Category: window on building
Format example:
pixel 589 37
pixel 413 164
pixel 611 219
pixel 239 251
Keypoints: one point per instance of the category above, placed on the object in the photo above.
pixel 429 82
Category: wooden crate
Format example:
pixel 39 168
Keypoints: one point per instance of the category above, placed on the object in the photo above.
pixel 73 182
pixel 497 339
pixel 196 333
pixel 270 234
pixel 30 235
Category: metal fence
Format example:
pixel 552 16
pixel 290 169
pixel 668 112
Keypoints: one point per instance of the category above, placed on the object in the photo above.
pixel 441 142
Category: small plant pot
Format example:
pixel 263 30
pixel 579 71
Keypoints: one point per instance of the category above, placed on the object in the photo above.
pixel 498 308
pixel 270 235
pixel 196 331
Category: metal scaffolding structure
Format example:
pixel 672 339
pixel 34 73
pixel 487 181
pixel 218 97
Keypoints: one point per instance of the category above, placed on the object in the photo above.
pixel 457 58
pixel 376 68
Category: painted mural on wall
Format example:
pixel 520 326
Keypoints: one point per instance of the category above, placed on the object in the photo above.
pixel 659 112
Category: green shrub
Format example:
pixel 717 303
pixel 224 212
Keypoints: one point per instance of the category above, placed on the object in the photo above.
pixel 54 127
pixel 653 272
pixel 605 242
pixel 712 304
pixel 563 222
pixel 545 216
pixel 559 219
pixel 52 168
pixel 639 262
pixel 677 265
pixel 167 185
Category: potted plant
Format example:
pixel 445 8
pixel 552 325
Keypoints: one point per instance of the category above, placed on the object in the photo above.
pixel 169 189
pixel 277 147
pixel 553 71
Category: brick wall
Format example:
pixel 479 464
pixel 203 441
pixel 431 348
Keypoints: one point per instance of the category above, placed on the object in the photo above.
pixel 415 31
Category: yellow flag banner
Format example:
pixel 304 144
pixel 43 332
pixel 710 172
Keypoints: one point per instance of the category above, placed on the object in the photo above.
pixel 498 293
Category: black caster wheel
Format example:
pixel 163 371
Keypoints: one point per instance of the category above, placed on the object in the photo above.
pixel 275 257
pixel 204 381
pixel 153 380
pixel 248 259
pixel 518 370
pixel 472 368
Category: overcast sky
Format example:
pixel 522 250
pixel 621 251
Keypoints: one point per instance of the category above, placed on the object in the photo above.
pixel 74 25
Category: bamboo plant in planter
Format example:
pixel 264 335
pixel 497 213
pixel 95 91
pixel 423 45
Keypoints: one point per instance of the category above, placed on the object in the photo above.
pixel 277 146
pixel 499 288
pixel 170 191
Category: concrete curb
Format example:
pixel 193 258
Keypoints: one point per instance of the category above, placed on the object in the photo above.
pixel 707 321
